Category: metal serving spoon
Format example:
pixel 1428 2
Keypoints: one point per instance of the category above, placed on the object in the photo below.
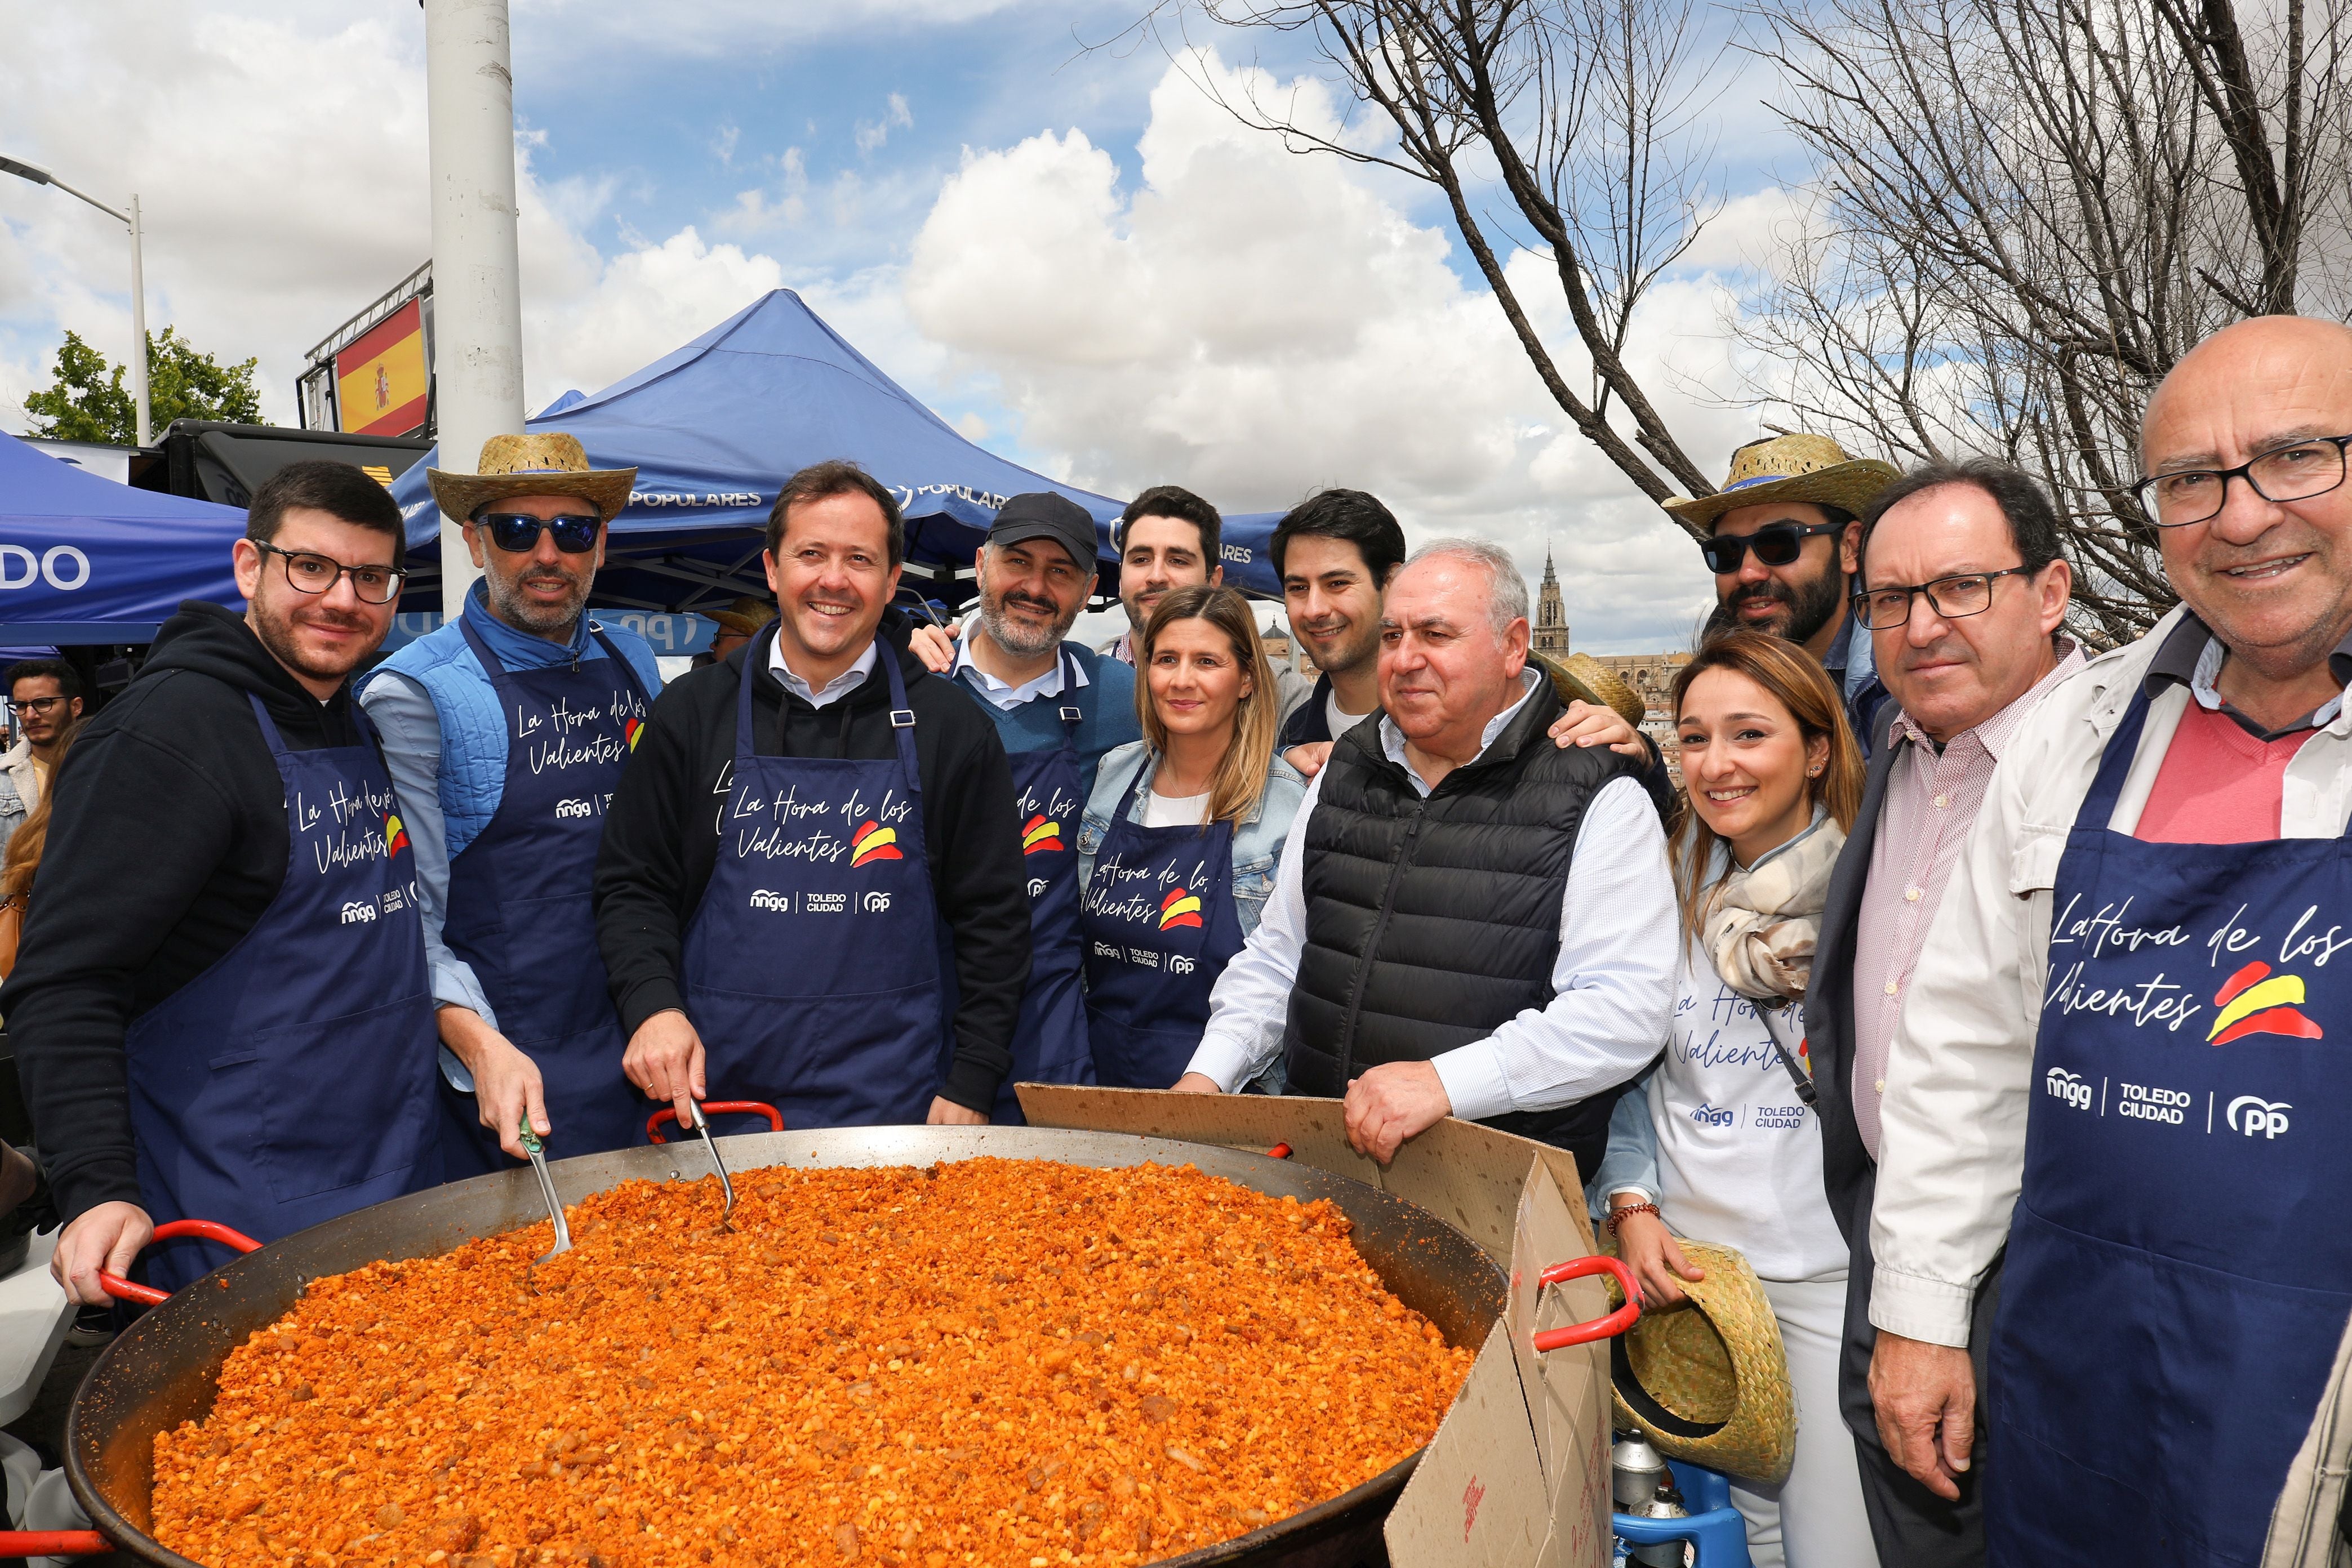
pixel 537 1151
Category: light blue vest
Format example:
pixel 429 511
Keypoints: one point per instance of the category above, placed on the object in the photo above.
pixel 473 730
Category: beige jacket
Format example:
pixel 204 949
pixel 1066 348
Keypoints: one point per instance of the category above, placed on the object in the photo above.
pixel 20 789
pixel 1958 1072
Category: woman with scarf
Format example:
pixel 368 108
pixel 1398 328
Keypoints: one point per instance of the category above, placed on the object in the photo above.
pixel 1723 1145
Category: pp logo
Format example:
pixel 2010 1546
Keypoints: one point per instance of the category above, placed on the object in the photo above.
pixel 1179 965
pixel 1036 888
pixel 356 912
pixel 1710 1116
pixel 876 902
pixel 767 898
pixel 2067 1087
pixel 2250 1114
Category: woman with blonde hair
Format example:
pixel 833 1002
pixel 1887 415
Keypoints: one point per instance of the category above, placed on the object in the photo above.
pixel 1723 1145
pixel 22 861
pixel 1181 836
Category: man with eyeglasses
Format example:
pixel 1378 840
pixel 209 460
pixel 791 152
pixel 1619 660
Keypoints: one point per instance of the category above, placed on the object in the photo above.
pixel 505 733
pixel 1783 543
pixel 220 1007
pixel 2122 1062
pixel 46 695
pixel 1964 594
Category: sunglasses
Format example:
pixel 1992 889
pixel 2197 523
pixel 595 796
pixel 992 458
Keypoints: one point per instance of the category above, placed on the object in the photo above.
pixel 1775 544
pixel 515 532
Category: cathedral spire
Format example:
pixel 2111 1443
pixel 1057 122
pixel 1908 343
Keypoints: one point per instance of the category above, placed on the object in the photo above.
pixel 1551 632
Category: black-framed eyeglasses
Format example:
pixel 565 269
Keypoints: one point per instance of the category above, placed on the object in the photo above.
pixel 1968 593
pixel 1775 544
pixel 515 532
pixel 2294 471
pixel 41 706
pixel 307 571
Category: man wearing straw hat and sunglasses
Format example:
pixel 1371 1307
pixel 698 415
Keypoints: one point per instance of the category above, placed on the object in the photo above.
pixel 505 733
pixel 1784 540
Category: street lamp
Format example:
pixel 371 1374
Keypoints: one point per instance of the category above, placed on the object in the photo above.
pixel 138 286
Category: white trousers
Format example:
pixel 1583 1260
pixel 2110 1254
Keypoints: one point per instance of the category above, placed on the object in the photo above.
pixel 1815 1518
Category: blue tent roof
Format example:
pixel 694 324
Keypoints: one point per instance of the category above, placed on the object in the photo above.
pixel 715 428
pixel 85 560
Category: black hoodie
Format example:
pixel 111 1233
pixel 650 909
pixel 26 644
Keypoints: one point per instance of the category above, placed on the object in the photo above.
pixel 166 843
pixel 660 842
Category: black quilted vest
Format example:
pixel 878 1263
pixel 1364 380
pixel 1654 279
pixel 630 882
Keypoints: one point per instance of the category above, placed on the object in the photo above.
pixel 1431 923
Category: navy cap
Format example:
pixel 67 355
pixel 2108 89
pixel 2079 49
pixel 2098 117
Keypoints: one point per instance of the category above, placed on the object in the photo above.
pixel 1047 516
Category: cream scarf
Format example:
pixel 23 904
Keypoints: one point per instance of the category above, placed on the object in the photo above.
pixel 1763 922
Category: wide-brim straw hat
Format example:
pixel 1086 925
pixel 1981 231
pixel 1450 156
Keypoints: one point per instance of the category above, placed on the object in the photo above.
pixel 1709 1381
pixel 1796 467
pixel 745 616
pixel 545 464
pixel 1582 678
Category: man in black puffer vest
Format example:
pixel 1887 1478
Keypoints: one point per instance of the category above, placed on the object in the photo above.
pixel 1468 920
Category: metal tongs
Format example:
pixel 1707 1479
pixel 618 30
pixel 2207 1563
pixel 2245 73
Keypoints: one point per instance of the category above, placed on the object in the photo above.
pixel 537 1151
pixel 726 1184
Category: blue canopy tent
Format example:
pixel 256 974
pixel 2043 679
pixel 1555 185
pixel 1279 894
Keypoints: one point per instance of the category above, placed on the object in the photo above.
pixel 714 429
pixel 84 560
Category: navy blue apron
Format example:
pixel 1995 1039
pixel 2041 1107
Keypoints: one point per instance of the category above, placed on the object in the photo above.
pixel 2180 1271
pixel 519 912
pixel 812 965
pixel 1049 1043
pixel 292 1080
pixel 1159 927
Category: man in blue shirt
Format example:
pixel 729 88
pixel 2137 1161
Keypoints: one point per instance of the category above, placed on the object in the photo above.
pixel 505 734
pixel 1059 706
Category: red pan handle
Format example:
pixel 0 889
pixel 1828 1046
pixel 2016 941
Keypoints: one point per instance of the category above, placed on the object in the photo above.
pixel 52 1543
pixel 717 1107
pixel 1279 1152
pixel 124 1290
pixel 1615 1324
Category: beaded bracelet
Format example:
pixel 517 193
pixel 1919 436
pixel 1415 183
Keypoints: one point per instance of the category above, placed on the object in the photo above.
pixel 1616 1214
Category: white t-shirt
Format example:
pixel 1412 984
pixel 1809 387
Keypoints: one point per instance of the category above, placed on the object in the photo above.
pixel 1175 810
pixel 1739 1154
pixel 1336 720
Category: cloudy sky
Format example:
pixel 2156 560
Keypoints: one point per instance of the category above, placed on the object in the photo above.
pixel 1067 249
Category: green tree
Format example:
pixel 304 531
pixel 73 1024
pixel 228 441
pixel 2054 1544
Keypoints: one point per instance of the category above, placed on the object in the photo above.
pixel 91 402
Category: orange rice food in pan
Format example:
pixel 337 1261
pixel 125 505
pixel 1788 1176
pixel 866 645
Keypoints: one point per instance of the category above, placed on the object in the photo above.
pixel 993 1362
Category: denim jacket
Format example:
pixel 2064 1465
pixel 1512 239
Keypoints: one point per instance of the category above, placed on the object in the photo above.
pixel 1258 839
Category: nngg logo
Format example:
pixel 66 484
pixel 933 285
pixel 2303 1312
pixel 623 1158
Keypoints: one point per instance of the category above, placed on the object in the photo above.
pixel 767 898
pixel 1710 1116
pixel 356 912
pixel 574 809
pixel 2251 1115
pixel 2067 1087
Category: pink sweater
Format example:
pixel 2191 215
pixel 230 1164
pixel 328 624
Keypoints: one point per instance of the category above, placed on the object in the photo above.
pixel 2219 785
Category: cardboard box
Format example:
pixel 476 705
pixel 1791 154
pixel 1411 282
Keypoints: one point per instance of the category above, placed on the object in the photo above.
pixel 1517 1475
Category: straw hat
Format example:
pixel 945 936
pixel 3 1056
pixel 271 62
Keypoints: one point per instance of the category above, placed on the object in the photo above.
pixel 1798 468
pixel 1708 1382
pixel 745 616
pixel 1581 678
pixel 545 464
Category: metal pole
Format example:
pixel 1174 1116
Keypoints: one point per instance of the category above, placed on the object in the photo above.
pixel 476 302
pixel 138 329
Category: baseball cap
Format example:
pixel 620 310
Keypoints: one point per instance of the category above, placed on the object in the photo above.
pixel 1045 516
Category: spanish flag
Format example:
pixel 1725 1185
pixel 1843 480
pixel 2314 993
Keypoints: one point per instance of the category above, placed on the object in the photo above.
pixel 2255 1001
pixel 873 843
pixel 633 728
pixel 381 380
pixel 1179 908
pixel 1039 836
pixel 396 835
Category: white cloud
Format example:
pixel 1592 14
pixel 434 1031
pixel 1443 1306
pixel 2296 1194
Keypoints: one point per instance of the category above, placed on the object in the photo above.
pixel 1256 324
pixel 282 171
pixel 872 134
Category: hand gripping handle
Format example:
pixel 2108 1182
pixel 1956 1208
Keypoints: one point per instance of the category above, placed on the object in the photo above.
pixel 716 1108
pixel 1615 1324
pixel 124 1290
